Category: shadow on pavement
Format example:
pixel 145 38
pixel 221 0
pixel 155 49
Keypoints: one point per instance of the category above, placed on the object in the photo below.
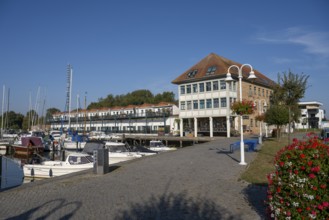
pixel 48 209
pixel 256 196
pixel 176 206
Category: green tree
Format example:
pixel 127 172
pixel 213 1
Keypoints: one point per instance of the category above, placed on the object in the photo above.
pixel 12 120
pixel 277 115
pixel 30 119
pixel 288 92
pixel 137 97
pixel 50 112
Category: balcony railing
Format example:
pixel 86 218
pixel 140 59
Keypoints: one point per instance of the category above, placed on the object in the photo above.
pixel 112 117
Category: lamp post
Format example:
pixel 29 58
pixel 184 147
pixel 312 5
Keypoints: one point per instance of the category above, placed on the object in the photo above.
pixel 265 109
pixel 260 123
pixel 228 79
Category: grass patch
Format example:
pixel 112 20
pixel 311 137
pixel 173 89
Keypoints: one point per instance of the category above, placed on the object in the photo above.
pixel 263 164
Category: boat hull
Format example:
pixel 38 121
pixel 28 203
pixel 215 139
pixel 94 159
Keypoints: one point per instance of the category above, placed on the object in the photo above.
pixel 11 173
pixel 52 169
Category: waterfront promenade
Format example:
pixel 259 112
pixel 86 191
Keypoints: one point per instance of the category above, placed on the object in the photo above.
pixel 195 182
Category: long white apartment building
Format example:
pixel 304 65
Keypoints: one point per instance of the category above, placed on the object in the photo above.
pixel 146 118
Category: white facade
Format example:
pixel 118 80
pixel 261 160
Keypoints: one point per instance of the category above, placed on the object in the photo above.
pixel 311 115
pixel 136 119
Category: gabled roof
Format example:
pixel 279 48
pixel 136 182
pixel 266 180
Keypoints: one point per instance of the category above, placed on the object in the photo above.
pixel 201 71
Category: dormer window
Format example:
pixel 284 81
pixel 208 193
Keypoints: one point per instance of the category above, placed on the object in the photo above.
pixel 192 73
pixel 211 70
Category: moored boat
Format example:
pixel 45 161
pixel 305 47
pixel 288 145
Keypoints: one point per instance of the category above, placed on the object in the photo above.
pixel 74 162
pixel 157 145
pixel 28 146
pixel 118 151
pixel 11 173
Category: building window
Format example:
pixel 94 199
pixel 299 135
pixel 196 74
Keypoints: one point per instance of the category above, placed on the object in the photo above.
pixel 192 73
pixel 234 86
pixel 208 86
pixel 209 103
pixel 182 105
pixel 263 94
pixel 215 85
pixel 250 91
pixel 188 89
pixel 258 91
pixel 188 105
pixel 255 90
pixel 222 84
pixel 201 87
pixel 251 123
pixel 195 104
pixel 202 104
pixel 216 103
pixel 223 102
pixel 266 93
pixel 182 90
pixel 195 88
pixel 211 70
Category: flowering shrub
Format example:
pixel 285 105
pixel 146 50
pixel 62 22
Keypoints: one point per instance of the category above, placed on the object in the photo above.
pixel 243 108
pixel 299 188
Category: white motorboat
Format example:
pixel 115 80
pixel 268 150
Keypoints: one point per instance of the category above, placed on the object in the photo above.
pixel 75 142
pixel 11 173
pixel 74 162
pixel 157 145
pixel 118 152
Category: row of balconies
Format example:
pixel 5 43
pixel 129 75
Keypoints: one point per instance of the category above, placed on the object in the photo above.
pixel 113 117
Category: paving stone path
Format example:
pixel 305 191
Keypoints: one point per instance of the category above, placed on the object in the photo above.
pixel 196 182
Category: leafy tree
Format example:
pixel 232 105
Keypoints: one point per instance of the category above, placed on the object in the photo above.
pixel 287 93
pixel 12 120
pixel 277 115
pixel 137 97
pixel 30 119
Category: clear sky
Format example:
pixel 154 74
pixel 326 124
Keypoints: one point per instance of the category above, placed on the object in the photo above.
pixel 116 47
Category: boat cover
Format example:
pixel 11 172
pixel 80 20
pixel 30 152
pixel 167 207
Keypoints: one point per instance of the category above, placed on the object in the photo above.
pixel 35 141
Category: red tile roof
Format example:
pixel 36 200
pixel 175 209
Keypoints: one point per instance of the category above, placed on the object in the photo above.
pixel 222 64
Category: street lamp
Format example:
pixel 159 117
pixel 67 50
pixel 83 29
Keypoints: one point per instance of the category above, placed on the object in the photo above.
pixel 228 79
pixel 265 109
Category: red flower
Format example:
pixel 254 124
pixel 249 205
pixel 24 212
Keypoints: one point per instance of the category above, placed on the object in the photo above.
pixel 309 163
pixel 320 207
pixel 281 163
pixel 302 156
pixel 315 169
pixel 296 172
pixel 311 175
pixel 323 186
pixel 278 189
pixel 325 204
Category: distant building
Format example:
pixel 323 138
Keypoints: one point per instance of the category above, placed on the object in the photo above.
pixel 145 119
pixel 312 115
pixel 205 97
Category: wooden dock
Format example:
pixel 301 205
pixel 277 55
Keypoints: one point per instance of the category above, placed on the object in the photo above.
pixel 168 140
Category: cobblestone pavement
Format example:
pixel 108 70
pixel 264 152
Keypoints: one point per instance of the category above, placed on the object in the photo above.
pixel 196 182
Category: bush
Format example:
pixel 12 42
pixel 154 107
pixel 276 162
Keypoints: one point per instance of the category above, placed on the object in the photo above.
pixel 298 189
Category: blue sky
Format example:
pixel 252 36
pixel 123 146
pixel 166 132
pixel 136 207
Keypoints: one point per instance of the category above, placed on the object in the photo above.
pixel 116 47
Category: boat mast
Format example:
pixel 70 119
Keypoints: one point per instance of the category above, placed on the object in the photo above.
pixel 3 104
pixel 68 93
